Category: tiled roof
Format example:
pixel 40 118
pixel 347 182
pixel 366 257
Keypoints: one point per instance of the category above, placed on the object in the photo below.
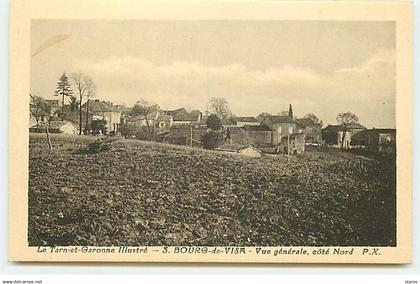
pixel 340 127
pixel 228 121
pixel 164 118
pixel 306 122
pixel 176 111
pixel 257 128
pixel 245 119
pixel 362 136
pixel 356 125
pixel 280 119
pixel 186 117
pixel 98 106
pixel 383 130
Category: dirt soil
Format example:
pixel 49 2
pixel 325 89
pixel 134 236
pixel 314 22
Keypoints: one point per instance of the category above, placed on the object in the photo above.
pixel 139 193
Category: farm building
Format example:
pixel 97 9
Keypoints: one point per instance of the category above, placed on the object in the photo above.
pixel 182 134
pixel 281 126
pixel 333 135
pixel 258 134
pixel 239 149
pixel 229 123
pixel 245 120
pixel 292 144
pixel 239 121
pixel 39 114
pixel 55 106
pixel 312 131
pixel 104 111
pixel 376 140
pixel 198 132
pixel 65 127
pixel 237 135
pixel 155 119
pixel 181 116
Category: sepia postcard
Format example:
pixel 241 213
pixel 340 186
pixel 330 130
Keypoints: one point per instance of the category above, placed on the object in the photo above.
pixel 230 132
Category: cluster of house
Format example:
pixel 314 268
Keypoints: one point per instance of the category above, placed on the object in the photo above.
pixel 165 119
pixel 69 123
pixel 282 133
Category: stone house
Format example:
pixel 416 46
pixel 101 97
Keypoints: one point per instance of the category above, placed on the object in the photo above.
pixel 292 144
pixel 312 131
pixel 237 135
pixel 155 119
pixel 55 105
pixel 281 126
pixel 229 123
pixel 260 135
pixel 245 120
pixel 337 135
pixel 378 140
pixel 181 116
pixel 104 111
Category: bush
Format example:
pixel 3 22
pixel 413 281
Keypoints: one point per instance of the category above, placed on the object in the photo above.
pixel 212 139
pixel 213 122
pixel 96 147
pixel 98 127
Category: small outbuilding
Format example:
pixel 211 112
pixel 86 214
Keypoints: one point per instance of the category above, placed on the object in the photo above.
pixel 64 127
pixel 245 150
pixel 378 140
pixel 292 144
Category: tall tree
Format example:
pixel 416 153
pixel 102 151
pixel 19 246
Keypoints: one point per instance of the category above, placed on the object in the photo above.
pixel 345 119
pixel 64 90
pixel 91 92
pixel 220 107
pixel 83 85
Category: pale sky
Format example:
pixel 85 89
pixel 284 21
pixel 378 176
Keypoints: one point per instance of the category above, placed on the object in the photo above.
pixel 320 67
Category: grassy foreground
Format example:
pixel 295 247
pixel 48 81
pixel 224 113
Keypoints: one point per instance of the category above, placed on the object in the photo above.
pixel 140 193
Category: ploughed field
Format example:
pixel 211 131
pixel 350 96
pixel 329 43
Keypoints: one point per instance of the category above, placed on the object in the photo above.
pixel 140 193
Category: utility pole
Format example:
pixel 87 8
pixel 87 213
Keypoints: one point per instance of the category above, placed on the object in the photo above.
pixel 191 136
pixel 87 116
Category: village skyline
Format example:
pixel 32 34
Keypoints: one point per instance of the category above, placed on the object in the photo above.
pixel 320 68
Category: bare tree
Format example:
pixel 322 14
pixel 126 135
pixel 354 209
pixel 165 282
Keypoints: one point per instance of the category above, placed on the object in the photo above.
pixel 91 92
pixel 36 109
pixel 83 85
pixel 262 115
pixel 220 107
pixel 345 119
pixel 40 108
pixel 74 104
pixel 145 108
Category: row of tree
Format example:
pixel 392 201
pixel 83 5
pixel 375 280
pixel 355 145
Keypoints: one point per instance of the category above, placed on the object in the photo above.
pixel 85 88
pixel 217 109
